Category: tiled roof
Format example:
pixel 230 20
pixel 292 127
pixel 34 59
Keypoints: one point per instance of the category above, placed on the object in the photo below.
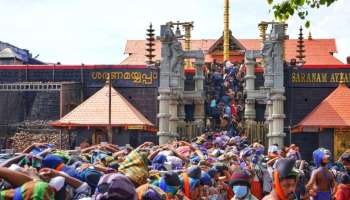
pixel 318 51
pixel 332 112
pixel 94 112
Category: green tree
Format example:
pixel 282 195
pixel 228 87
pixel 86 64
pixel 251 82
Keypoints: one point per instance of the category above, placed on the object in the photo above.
pixel 287 8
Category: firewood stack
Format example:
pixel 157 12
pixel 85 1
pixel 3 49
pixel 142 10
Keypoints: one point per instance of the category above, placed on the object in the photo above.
pixel 24 139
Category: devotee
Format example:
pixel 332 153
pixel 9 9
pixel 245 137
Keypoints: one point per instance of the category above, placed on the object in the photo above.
pixel 169 183
pixel 115 186
pixel 191 183
pixel 322 182
pixel 285 180
pixel 343 189
pixel 241 183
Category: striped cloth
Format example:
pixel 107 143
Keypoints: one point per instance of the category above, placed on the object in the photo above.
pixel 33 190
pixel 135 167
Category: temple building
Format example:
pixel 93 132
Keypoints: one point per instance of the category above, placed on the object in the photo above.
pixel 306 86
pixel 331 118
pixel 91 119
pixel 317 51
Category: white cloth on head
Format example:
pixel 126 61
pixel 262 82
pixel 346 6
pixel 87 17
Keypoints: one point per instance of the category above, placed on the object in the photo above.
pixel 57 182
pixel 15 168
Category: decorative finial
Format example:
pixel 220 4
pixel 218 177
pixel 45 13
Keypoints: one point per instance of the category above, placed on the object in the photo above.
pixel 150 45
pixel 301 47
pixel 310 36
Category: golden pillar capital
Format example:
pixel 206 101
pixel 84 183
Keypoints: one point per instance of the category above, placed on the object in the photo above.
pixel 262 28
pixel 188 28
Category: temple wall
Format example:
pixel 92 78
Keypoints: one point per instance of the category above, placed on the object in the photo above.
pixel 137 85
pixel 306 89
pixel 11 110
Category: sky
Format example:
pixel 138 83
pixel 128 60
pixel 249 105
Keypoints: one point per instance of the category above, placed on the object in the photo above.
pixel 95 31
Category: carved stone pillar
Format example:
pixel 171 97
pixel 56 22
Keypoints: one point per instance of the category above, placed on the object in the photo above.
pixel 268 117
pixel 250 74
pixel 181 119
pixel 277 135
pixel 268 62
pixel 173 121
pixel 164 116
pixel 164 97
pixel 249 112
pixel 199 77
pixel 199 114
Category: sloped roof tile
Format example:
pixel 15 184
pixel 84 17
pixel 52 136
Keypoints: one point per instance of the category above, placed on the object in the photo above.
pixel 317 51
pixel 332 112
pixel 94 112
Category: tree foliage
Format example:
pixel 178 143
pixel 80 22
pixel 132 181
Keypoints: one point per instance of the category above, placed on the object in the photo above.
pixel 287 8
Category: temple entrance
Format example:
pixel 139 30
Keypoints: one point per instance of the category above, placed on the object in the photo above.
pixel 341 141
pixel 99 136
pixel 257 132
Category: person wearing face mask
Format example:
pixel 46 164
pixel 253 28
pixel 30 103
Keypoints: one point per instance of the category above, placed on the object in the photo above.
pixel 240 182
pixel 285 178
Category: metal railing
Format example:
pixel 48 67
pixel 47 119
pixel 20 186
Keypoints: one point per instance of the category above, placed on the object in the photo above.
pixel 256 132
pixel 30 86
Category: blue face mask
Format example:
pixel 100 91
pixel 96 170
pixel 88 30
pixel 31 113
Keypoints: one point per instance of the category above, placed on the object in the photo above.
pixel 213 197
pixel 240 191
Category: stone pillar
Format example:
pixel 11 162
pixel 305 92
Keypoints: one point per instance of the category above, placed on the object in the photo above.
pixel 277 135
pixel 268 116
pixel 173 120
pixel 250 113
pixel 250 74
pixel 277 92
pixel 164 116
pixel 199 77
pixel 164 98
pixel 199 114
pixel 181 119
pixel 181 111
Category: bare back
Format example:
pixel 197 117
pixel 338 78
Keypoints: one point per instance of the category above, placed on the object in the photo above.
pixel 323 180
